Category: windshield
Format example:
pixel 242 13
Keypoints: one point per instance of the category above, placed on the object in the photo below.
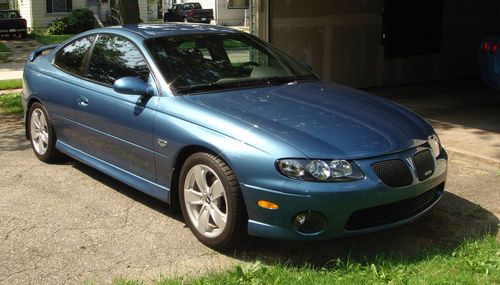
pixel 207 62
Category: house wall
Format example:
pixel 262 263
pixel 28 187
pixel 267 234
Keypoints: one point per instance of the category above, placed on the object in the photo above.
pixel 35 12
pixel 342 41
pixel 229 17
pixel 143 10
pixel 25 11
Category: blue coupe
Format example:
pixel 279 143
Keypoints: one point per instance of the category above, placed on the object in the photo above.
pixel 245 139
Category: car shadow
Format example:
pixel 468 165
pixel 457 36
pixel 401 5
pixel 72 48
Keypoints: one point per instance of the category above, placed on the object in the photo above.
pixel 453 221
pixel 132 193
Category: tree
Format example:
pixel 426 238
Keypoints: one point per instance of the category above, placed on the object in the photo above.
pixel 129 10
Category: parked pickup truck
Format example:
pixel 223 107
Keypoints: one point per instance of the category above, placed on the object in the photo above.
pixel 188 12
pixel 12 24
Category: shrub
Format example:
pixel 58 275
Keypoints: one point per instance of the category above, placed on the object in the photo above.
pixel 78 21
pixel 57 27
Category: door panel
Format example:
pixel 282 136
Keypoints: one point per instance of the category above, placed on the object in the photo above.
pixel 117 128
pixel 61 83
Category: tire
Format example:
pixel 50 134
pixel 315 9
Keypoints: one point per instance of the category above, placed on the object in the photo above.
pixel 41 134
pixel 209 193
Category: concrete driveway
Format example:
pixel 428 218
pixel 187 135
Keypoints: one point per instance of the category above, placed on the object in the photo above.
pixel 67 223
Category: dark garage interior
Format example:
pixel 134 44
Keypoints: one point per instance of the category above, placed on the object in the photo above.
pixel 380 43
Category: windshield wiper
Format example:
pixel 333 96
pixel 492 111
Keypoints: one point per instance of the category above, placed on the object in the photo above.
pixel 265 81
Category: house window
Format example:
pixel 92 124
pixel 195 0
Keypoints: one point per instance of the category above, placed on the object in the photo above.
pixel 59 6
pixel 238 4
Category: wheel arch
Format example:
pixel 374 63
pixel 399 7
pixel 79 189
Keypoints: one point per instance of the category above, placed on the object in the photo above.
pixel 31 101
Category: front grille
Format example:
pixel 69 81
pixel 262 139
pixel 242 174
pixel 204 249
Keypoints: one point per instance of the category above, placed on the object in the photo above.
pixel 393 173
pixel 424 164
pixel 393 212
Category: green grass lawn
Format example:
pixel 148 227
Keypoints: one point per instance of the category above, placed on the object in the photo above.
pixel 11 103
pixel 48 39
pixel 11 84
pixel 3 48
pixel 474 262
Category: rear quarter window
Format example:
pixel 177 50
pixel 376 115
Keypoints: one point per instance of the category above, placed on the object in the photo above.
pixel 72 57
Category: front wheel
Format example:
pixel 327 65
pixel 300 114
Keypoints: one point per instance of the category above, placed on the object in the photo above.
pixel 211 201
pixel 41 134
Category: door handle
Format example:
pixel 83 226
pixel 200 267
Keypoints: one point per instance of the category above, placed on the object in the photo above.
pixel 82 101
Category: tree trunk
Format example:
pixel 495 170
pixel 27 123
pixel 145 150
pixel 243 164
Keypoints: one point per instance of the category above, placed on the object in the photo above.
pixel 129 10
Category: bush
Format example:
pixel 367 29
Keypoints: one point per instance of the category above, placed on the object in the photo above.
pixel 57 27
pixel 78 21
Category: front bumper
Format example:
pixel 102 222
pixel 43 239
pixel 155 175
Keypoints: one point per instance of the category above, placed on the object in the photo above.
pixel 337 202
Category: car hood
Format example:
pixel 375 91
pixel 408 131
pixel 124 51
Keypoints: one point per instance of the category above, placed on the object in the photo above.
pixel 323 120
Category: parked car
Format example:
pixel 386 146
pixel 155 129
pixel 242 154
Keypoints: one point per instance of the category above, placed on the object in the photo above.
pixel 243 137
pixel 11 24
pixel 489 62
pixel 188 12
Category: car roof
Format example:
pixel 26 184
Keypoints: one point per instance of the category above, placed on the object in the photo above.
pixel 173 29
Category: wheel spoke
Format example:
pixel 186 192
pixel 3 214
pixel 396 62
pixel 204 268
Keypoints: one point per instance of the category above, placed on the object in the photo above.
pixel 201 179
pixel 40 144
pixel 43 121
pixel 192 197
pixel 203 219
pixel 36 121
pixel 35 135
pixel 45 138
pixel 218 217
pixel 217 190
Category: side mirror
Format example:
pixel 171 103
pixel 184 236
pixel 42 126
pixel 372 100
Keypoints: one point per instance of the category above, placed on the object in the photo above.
pixel 132 85
pixel 169 10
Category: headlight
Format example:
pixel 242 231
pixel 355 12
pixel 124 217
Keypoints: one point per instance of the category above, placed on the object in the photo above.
pixel 319 170
pixel 435 144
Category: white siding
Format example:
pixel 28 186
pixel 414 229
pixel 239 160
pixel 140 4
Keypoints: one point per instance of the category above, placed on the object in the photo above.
pixel 229 17
pixel 41 19
pixel 143 10
pixel 25 10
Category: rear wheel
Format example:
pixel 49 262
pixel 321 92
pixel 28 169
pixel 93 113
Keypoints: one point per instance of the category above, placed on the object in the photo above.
pixel 211 201
pixel 41 134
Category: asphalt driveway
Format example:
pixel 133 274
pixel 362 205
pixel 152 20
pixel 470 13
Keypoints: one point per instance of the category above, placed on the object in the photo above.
pixel 68 223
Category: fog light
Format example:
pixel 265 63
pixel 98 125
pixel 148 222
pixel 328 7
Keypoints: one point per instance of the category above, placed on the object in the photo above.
pixel 267 205
pixel 309 222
